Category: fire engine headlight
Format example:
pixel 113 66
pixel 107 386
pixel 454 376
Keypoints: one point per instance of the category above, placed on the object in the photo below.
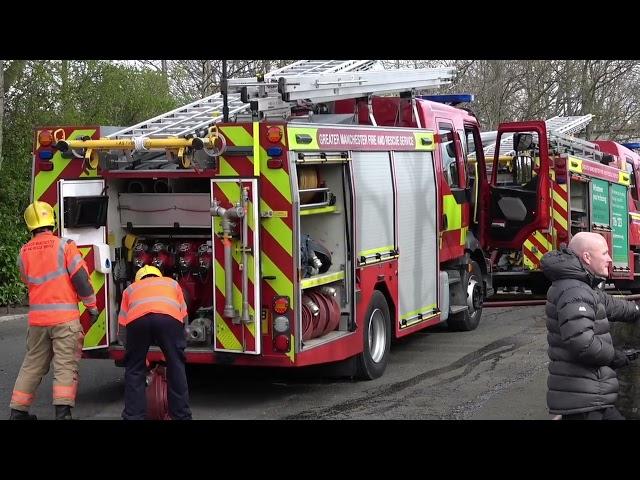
pixel 281 324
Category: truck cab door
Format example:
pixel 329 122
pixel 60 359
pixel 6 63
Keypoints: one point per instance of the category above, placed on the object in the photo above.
pixel 516 204
pixel 453 192
pixel 82 218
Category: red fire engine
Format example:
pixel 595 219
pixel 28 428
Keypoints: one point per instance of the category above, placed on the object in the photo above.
pixel 314 225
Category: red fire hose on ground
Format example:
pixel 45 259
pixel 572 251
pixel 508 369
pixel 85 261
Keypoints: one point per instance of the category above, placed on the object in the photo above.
pixel 157 400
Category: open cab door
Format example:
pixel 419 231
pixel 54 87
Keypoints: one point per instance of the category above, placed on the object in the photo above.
pixel 517 200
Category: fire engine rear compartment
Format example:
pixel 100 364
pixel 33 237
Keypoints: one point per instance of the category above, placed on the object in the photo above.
pixel 164 222
pixel 167 222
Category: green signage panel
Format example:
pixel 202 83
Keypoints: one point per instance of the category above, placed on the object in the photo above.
pixel 599 202
pixel 619 225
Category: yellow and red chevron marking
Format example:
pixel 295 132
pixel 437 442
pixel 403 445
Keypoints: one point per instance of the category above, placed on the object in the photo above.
pixel 45 182
pixel 96 335
pixel 234 166
pixel 560 216
pixel 276 235
pixel 277 232
pixel 242 336
pixel 534 247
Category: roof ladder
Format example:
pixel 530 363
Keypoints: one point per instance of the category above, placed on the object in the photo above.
pixel 275 95
pixel 201 113
pixel 573 145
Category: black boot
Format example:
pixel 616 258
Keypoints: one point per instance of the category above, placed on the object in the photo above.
pixel 63 412
pixel 20 415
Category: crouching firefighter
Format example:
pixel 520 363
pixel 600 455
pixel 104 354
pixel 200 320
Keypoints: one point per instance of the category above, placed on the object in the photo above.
pixel 153 310
pixel 56 275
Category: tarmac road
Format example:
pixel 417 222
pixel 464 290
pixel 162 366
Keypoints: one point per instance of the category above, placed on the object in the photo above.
pixel 495 372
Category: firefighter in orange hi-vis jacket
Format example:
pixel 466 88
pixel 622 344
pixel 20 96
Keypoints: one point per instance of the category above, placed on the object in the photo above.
pixel 153 310
pixel 56 275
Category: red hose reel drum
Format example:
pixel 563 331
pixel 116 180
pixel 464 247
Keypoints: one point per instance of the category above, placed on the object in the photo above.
pixel 334 314
pixel 307 323
pixel 320 322
pixel 157 401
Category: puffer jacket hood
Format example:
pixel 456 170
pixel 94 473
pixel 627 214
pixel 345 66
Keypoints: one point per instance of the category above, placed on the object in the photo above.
pixel 565 264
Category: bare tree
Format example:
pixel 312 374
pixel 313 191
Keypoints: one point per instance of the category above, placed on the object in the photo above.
pixel 539 89
pixel 193 79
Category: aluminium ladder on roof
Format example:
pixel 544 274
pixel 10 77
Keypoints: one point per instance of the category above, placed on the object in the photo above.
pixel 309 67
pixel 201 113
pixel 358 84
pixel 274 94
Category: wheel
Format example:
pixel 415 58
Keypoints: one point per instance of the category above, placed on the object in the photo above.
pixel 373 360
pixel 467 292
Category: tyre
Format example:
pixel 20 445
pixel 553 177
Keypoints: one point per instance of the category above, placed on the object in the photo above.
pixel 372 362
pixel 468 292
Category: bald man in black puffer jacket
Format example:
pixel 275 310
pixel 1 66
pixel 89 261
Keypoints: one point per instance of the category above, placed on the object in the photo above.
pixel 582 380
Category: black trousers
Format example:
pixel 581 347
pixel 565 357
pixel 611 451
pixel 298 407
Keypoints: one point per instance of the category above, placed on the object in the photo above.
pixel 168 333
pixel 610 413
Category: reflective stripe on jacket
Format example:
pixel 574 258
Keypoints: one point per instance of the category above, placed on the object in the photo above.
pixel 152 295
pixel 46 265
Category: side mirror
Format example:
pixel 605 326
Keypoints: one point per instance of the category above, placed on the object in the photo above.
pixel 522 141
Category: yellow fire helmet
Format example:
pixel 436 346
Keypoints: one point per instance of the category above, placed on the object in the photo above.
pixel 147 270
pixel 39 214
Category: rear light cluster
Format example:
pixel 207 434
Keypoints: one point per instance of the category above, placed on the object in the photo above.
pixel 281 317
pixel 281 324
pixel 274 135
pixel 45 153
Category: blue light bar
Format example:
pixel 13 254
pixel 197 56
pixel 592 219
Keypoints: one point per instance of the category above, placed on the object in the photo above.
pixel 45 155
pixel 449 99
pixel 632 145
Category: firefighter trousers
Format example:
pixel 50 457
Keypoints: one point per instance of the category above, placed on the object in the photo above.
pixel 61 344
pixel 168 333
